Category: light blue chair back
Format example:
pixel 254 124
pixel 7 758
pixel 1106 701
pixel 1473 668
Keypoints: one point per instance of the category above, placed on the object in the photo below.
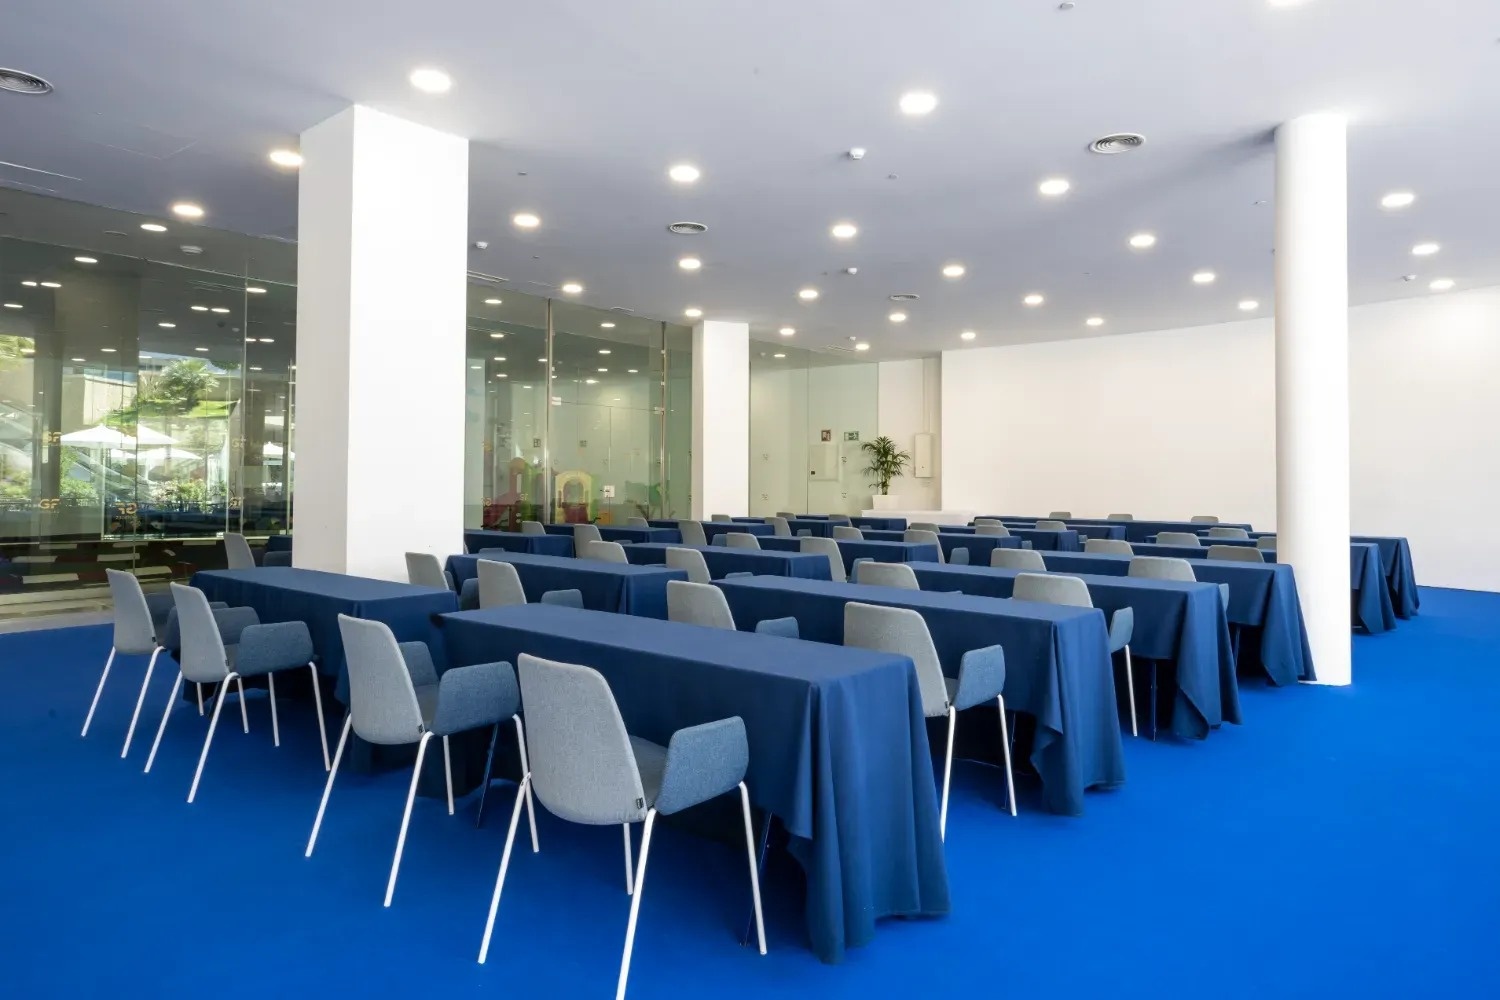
pixel 780 527
pixel 637 522
pixel 996 528
pixel 1108 546
pixel 881 574
pixel 1159 568
pixel 1204 519
pixel 692 533
pixel 720 517
pixel 610 552
pixel 383 706
pixel 1266 542
pixel 830 548
pixel 533 528
pixel 1236 553
pixel 923 526
pixel 1051 525
pixel 1061 515
pixel 924 536
pixel 1023 559
pixel 848 533
pixel 564 598
pixel 1120 517
pixel 690 561
pixel 499 584
pixel 1222 532
pixel 741 540
pixel 1050 588
pixel 202 656
pixel 424 570
pixel 698 604
pixel 1179 538
pixel 585 533
pixel 135 633
pixel 237 551
pixel 903 632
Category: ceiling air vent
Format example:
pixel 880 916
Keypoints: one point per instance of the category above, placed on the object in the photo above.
pixel 687 228
pixel 19 82
pixel 905 297
pixel 1120 142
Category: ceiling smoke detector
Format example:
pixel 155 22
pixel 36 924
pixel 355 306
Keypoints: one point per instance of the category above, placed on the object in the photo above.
pixel 20 82
pixel 687 228
pixel 1120 142
pixel 904 297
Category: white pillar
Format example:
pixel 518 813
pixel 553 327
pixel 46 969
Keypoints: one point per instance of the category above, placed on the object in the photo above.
pixel 382 221
pixel 1312 380
pixel 721 419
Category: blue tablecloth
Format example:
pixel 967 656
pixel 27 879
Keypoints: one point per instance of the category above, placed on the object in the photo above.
pixel 610 533
pixel 284 594
pixel 1400 576
pixel 1179 622
pixel 817 527
pixel 722 560
pixel 979 546
pixel 1135 531
pixel 621 588
pixel 279 543
pixel 1057 666
pixel 838 743
pixel 713 529
pixel 852 550
pixel 1261 597
pixel 1115 532
pixel 514 541
pixel 880 523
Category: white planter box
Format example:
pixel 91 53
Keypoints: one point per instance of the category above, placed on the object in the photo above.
pixel 890 502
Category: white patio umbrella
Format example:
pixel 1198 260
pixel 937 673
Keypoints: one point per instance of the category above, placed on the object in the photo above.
pixel 147 436
pixel 99 437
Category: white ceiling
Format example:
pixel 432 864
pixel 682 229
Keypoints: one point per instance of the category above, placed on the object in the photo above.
pixel 577 109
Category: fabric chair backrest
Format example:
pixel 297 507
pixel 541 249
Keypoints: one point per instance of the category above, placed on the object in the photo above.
pixel 698 604
pixel 923 526
pixel 692 562
pixel 1120 517
pixel 533 528
pixel 741 540
pixel 1158 568
pixel 135 633
pixel 848 533
pixel 1046 525
pixel 382 702
pixel 202 656
pixel 998 530
pixel 563 598
pixel 720 517
pixel 1178 538
pixel 637 522
pixel 839 519
pixel 1204 519
pixel 1026 559
pixel 424 570
pixel 829 548
pixel 1060 515
pixel 1050 588
pixel 584 533
pixel 692 533
pixel 499 584
pixel 1266 542
pixel 786 514
pixel 882 574
pixel 237 551
pixel 903 632
pixel 990 522
pixel 582 767
pixel 1221 532
pixel 1108 546
pixel 610 552
pixel 923 536
pixel 780 527
pixel 1236 553
pixel 276 559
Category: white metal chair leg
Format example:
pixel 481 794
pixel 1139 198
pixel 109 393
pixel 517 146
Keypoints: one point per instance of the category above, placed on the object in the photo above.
pixel 213 724
pixel 165 715
pixel 448 773
pixel 510 839
pixel 1130 690
pixel 760 923
pixel 109 662
pixel 411 794
pixel 947 774
pixel 635 904
pixel 275 723
pixel 318 704
pixel 244 714
pixel 526 769
pixel 140 700
pixel 200 697
pixel 333 772
pixel 629 864
pixel 1010 781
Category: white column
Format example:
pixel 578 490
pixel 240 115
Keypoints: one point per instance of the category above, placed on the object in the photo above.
pixel 381 261
pixel 1312 380
pixel 721 419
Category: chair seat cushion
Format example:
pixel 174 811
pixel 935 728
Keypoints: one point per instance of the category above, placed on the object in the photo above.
pixel 427 701
pixel 278 646
pixel 651 761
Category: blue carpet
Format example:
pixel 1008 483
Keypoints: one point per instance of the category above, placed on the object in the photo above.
pixel 1343 842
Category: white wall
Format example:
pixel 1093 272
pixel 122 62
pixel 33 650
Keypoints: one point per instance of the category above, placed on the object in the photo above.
pixel 910 403
pixel 1180 422
pixel 721 419
pixel 789 408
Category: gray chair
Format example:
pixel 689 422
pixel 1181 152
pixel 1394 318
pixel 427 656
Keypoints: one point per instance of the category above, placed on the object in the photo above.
pixel 922 536
pixel 720 517
pixel 589 770
pixel 883 574
pixel 741 540
pixel 830 548
pixel 637 522
pixel 564 598
pixel 1061 515
pixel 988 522
pixel 692 532
pixel 1223 532
pixel 224 647
pixel 1266 542
pixel 923 526
pixel 960 556
pixel 499 584
pixel 1046 588
pixel 1179 538
pixel 584 533
pixel 1120 517
pixel 690 561
pixel 786 514
pixel 276 559
pixel 1236 553
pixel 424 570
pixel 237 553
pixel 1046 525
pixel 998 530
pixel 396 698
pixel 610 552
pixel 1023 559
pixel 1108 546
pixel 839 519
pixel 780 527
pixel 704 604
pixel 533 528
pixel 981 676
pixel 1203 519
pixel 1158 568
pixel 848 533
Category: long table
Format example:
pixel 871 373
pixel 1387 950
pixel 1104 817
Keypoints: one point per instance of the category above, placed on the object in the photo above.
pixel 838 743
pixel 617 587
pixel 1395 560
pixel 723 560
pixel 1262 597
pixel 713 529
pixel 894 551
pixel 1181 623
pixel 611 533
pixel 879 523
pixel 978 546
pixel 1114 532
pixel 515 541
pixel 1057 666
pixel 1041 540
pixel 1135 531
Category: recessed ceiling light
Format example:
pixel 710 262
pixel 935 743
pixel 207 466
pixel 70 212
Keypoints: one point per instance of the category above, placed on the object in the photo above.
pixel 1034 299
pixel 787 331
pixel 606 326
pixel 897 317
pixel 692 312
pixel 953 271
pixel 199 309
pixel 525 220
pixel 431 81
pixel 807 294
pixel 86 260
pixel 690 263
pixel 1397 199
pixel 967 335
pixel 219 309
pixel 107 350
pixel 572 288
pixel 29 284
pixel 187 210
pixel 285 158
pixel 1441 284
pixel 861 347
pixel 1204 278
pixel 256 368
pixel 525 387
pixel 918 102
pixel 602 369
pixel 78 359
pixel 254 290
pixel 267 340
pixel 590 381
pixel 1420 250
pixel 844 230
pixel 50 284
pixel 778 355
pixel 32 350
pixel 249 340
pixel 167 326
pixel 684 173
pixel 499 357
pixel 497 336
pixel 1249 305
pixel 604 350
pixel 633 371
pixel 501 375
pixel 204 349
pixel 492 302
pixel 12 305
pixel 153 227
pixel 1094 321
pixel 1143 241
pixel 1054 186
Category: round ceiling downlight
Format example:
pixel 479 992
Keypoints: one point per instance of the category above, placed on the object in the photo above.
pixel 904 297
pixel 1119 142
pixel 21 82
pixel 687 228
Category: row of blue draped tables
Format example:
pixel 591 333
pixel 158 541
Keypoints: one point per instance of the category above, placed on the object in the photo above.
pixel 515 541
pixel 713 529
pixel 891 551
pixel 723 560
pixel 1395 563
pixel 979 546
pixel 617 587
pixel 1043 541
pixel 1114 532
pixel 1135 531
pixel 611 533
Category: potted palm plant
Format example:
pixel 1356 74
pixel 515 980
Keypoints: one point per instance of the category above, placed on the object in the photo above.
pixel 886 463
